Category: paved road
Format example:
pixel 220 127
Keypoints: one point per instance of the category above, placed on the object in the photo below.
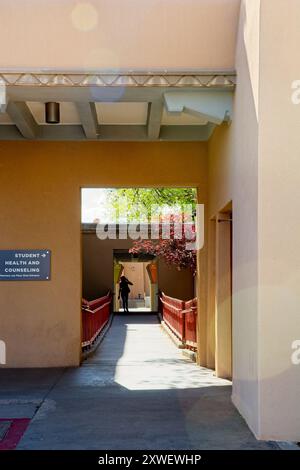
pixel 136 392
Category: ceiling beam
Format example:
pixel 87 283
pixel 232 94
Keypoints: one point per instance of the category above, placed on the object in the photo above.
pixel 87 94
pixel 114 133
pixel 214 106
pixel 155 111
pixel 22 117
pixel 88 118
pixel 187 133
pixel 204 78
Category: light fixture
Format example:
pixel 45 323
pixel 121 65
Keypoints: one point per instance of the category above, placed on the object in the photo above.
pixel 52 113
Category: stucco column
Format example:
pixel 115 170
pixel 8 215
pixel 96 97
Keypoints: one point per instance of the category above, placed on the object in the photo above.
pixel 223 321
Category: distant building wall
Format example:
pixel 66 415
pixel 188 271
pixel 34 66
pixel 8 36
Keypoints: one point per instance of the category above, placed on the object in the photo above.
pixel 135 273
pixel 98 269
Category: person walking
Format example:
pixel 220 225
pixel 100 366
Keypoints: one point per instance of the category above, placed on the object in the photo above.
pixel 124 292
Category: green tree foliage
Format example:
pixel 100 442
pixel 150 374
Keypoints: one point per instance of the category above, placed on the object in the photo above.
pixel 137 201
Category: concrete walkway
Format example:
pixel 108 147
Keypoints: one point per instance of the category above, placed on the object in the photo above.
pixel 136 392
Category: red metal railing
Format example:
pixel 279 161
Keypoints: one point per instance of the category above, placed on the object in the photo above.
pixel 190 314
pixel 95 315
pixel 181 318
pixel 172 314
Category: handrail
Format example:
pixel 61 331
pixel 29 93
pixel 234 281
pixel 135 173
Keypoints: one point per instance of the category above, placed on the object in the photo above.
pixel 97 309
pixel 172 306
pixel 182 321
pixel 94 319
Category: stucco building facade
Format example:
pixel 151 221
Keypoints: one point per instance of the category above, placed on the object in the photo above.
pixel 231 65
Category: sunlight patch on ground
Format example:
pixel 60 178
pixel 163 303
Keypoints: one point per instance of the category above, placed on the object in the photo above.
pixel 166 377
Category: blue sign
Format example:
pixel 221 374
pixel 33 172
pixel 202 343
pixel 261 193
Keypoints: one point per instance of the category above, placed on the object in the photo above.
pixel 25 265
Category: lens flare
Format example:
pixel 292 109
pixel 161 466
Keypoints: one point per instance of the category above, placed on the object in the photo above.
pixel 84 16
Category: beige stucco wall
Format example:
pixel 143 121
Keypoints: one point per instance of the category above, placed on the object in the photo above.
pixel 118 33
pixel 279 220
pixel 40 208
pixel 255 163
pixel 233 177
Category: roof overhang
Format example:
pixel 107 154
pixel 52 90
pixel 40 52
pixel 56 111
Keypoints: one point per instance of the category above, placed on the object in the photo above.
pixel 204 94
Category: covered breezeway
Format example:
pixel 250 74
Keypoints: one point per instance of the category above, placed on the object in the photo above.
pixel 136 392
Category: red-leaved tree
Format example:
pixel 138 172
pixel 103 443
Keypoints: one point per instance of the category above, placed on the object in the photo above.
pixel 173 249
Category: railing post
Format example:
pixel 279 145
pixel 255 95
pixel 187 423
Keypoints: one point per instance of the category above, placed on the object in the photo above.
pixel 183 313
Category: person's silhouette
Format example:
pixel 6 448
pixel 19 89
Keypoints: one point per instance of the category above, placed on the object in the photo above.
pixel 124 292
